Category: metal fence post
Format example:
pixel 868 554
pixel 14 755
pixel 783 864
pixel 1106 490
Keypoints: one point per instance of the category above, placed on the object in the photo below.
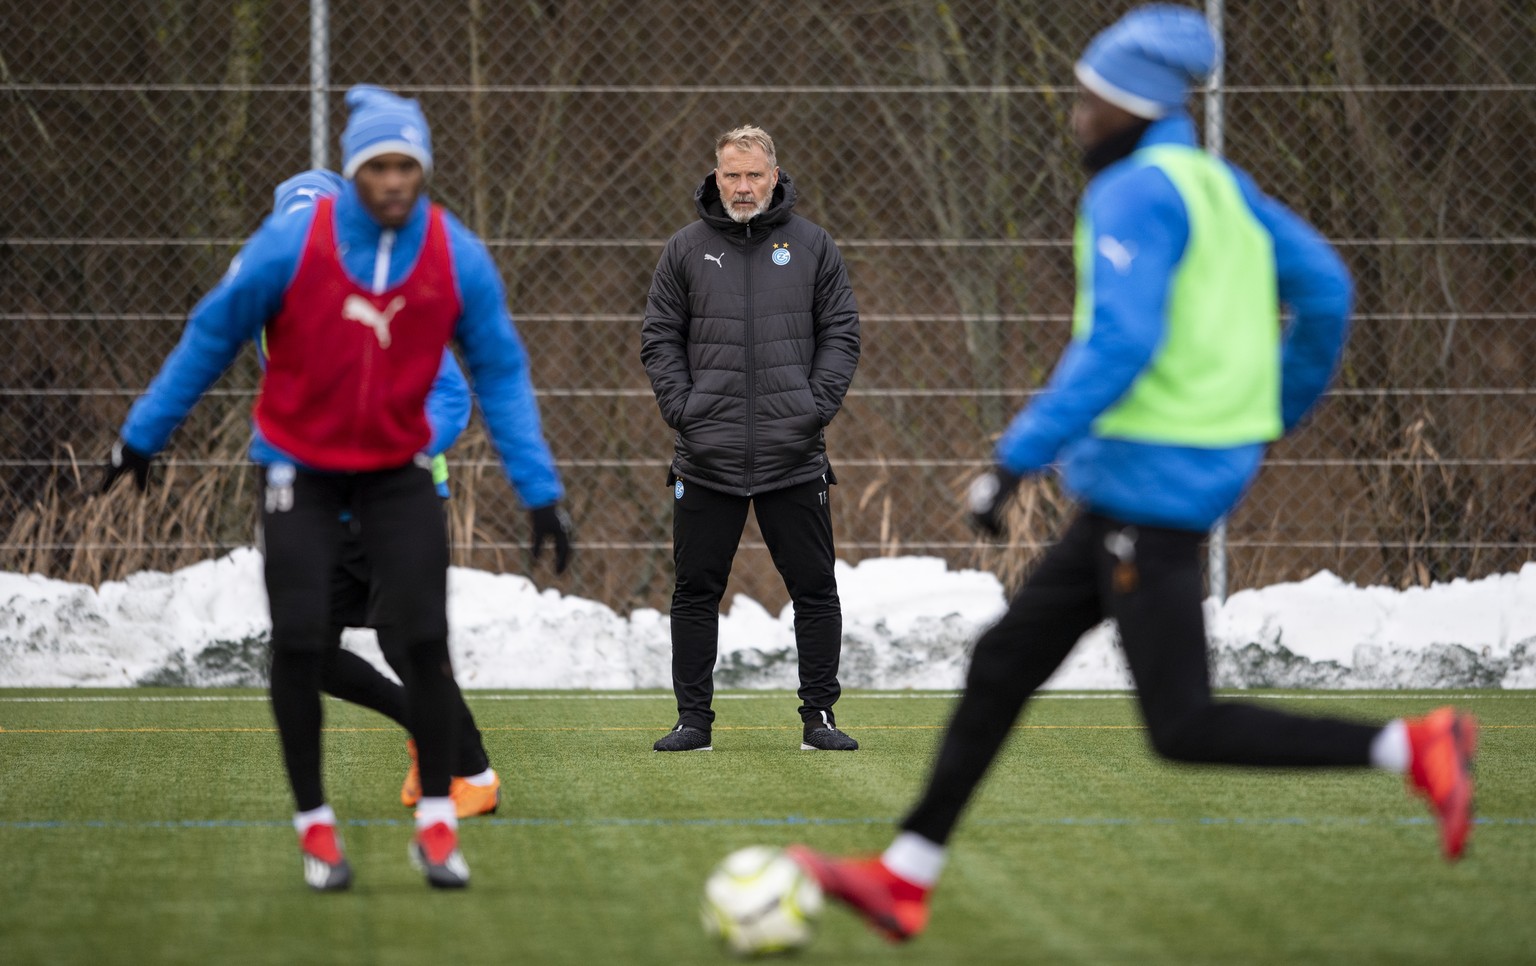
pixel 1215 130
pixel 319 81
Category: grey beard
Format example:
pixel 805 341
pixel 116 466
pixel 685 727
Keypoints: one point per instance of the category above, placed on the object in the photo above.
pixel 740 219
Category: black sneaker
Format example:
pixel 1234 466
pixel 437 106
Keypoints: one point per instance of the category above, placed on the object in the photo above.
pixel 684 738
pixel 823 736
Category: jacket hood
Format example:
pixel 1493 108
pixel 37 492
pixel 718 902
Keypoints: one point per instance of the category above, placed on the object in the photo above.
pixel 706 200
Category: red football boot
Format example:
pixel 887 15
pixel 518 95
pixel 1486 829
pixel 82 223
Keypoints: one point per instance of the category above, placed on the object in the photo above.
pixel 1442 745
pixel 893 907
pixel 325 868
pixel 435 851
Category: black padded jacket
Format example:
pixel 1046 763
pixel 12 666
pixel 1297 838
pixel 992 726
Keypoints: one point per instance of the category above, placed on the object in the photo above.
pixel 751 338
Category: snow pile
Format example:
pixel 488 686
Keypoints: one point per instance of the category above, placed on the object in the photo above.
pixel 908 622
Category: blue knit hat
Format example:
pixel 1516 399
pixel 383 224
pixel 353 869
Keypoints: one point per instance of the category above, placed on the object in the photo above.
pixel 304 188
pixel 382 122
pixel 1147 61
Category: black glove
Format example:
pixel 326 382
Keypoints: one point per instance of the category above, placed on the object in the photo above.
pixel 126 460
pixel 987 498
pixel 552 522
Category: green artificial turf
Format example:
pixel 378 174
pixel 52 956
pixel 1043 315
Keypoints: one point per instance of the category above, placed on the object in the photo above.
pixel 152 827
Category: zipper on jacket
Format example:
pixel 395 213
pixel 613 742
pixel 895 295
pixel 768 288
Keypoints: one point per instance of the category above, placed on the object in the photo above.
pixel 746 272
pixel 381 260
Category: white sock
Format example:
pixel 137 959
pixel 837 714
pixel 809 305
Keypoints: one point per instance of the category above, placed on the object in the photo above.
pixel 1389 749
pixel 430 811
pixel 315 816
pixel 487 777
pixel 915 859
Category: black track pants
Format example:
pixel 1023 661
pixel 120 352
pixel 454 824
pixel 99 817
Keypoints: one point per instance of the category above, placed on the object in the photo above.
pixel 796 523
pixel 350 678
pixel 1148 579
pixel 400 528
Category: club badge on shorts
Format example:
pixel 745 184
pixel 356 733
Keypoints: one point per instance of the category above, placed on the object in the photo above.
pixel 781 253
pixel 677 490
pixel 279 496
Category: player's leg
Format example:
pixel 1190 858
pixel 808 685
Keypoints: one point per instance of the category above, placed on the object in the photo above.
pixel 474 785
pixel 347 675
pixel 1153 587
pixel 472 758
pixel 473 761
pixel 706 529
pixel 402 536
pixel 300 534
pixel 476 788
pixel 1056 606
pixel 797 527
pixel 350 677
pixel 406 546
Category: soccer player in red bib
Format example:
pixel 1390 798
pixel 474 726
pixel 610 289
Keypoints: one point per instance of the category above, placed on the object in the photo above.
pixel 475 787
pixel 358 296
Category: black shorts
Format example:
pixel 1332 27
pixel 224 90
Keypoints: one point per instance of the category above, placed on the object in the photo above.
pixel 389 560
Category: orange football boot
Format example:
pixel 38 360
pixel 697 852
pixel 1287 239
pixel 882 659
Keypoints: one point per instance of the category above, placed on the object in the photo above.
pixel 1442 746
pixel 471 800
pixel 410 789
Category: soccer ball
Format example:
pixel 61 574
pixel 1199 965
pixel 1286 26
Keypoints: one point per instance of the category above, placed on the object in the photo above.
pixel 758 901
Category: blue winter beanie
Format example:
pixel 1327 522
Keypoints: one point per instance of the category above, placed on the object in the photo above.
pixel 382 122
pixel 304 189
pixel 1147 61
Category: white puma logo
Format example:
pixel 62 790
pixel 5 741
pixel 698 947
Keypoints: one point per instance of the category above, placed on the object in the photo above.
pixel 358 309
pixel 715 258
pixel 1119 254
pixel 302 198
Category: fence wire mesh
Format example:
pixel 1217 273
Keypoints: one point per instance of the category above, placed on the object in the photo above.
pixel 143 140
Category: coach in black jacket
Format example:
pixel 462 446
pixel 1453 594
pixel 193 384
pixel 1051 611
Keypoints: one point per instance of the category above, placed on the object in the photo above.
pixel 751 338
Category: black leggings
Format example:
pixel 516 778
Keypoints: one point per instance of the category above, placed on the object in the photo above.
pixel 1148 580
pixel 400 529
pixel 350 678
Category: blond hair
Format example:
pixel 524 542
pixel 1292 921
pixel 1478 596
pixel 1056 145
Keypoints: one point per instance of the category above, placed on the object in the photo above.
pixel 747 137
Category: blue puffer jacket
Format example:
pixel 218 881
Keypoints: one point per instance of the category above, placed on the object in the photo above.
pixel 251 294
pixel 1148 483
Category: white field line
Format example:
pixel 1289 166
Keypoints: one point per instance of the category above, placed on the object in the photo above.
pixel 779 695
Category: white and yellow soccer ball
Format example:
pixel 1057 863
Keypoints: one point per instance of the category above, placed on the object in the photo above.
pixel 759 901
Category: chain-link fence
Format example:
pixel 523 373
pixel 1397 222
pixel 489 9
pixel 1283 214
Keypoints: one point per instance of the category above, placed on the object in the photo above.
pixel 143 140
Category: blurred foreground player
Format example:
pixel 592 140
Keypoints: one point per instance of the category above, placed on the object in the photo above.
pixel 1177 377
pixel 475 787
pixel 357 298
